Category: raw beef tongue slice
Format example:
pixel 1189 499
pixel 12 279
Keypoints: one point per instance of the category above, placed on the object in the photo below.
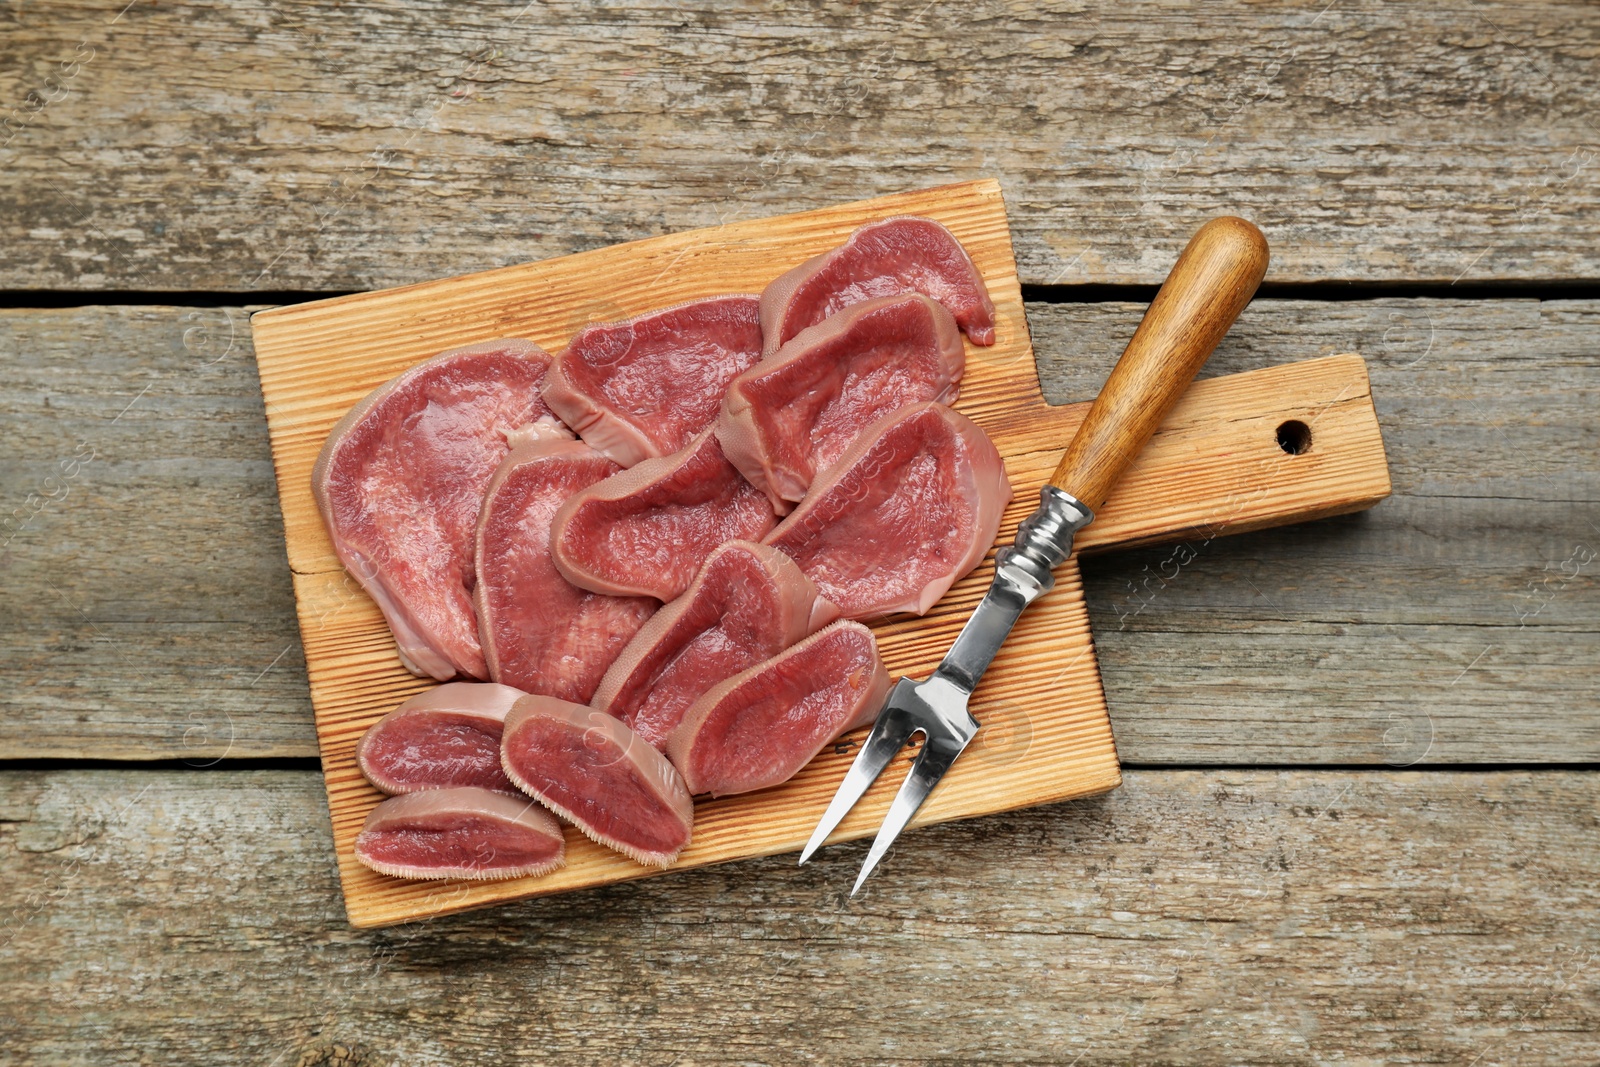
pixel 541 633
pixel 400 481
pixel 909 509
pixel 464 832
pixel 758 728
pixel 748 603
pixel 793 414
pixel 646 531
pixel 606 780
pixel 643 387
pixel 905 253
pixel 447 736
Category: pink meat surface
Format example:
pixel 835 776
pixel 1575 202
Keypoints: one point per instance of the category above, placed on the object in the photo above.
pixel 647 531
pixel 758 728
pixel 590 769
pixel 541 633
pixel 448 736
pixel 400 481
pixel 460 833
pixel 905 253
pixel 645 386
pixel 748 603
pixel 909 509
pixel 795 413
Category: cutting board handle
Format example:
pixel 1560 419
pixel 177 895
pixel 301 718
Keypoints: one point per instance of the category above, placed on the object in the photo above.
pixel 1213 280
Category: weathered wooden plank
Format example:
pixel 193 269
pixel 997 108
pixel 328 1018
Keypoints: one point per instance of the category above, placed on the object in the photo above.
pixel 1353 640
pixel 147 610
pixel 1381 917
pixel 294 145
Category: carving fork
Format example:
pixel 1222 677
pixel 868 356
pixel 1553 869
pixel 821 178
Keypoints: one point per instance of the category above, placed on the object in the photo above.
pixel 1213 280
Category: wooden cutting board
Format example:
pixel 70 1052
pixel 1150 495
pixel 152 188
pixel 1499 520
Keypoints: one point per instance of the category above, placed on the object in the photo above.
pixel 1215 467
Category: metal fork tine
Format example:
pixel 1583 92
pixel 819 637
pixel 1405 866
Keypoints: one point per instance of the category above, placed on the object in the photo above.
pixel 889 735
pixel 939 751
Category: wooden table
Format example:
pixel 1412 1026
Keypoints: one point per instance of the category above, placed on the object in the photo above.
pixel 1360 813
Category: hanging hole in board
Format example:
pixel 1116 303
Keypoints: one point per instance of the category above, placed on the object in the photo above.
pixel 1294 437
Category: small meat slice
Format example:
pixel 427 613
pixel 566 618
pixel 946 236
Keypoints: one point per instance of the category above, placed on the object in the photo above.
pixel 758 728
pixel 792 415
pixel 905 253
pixel 909 509
pixel 541 633
pixel 591 770
pixel 463 832
pixel 400 481
pixel 645 386
pixel 648 530
pixel 448 736
pixel 748 603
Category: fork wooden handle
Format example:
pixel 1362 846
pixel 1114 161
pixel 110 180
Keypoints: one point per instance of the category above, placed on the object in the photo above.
pixel 1213 280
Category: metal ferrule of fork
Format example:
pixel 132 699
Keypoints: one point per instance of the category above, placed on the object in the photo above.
pixel 1044 539
pixel 937 708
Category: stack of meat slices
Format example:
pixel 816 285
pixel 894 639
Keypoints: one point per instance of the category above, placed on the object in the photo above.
pixel 773 469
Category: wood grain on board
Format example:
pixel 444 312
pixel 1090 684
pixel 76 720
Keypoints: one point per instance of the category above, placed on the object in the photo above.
pixel 299 145
pixel 1215 465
